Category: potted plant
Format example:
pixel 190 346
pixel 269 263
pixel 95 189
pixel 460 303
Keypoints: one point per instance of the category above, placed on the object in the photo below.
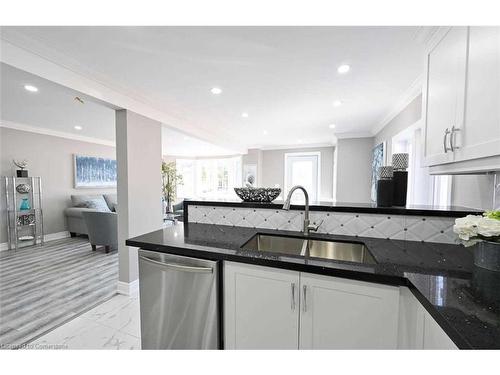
pixel 170 179
pixel 482 232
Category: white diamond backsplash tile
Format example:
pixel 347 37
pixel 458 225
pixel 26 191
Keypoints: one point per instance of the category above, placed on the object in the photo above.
pixel 429 229
pixel 419 228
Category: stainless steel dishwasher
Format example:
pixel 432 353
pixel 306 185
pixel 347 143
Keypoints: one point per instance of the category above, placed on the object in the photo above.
pixel 179 302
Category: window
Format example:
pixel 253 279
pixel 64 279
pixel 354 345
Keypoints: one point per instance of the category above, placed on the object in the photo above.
pixel 303 169
pixel 209 178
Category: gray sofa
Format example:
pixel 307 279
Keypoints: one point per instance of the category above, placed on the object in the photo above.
pixel 87 203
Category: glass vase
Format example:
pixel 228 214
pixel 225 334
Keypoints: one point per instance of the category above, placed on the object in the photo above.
pixel 487 255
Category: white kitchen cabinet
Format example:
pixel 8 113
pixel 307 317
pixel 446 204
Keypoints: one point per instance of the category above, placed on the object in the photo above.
pixel 444 93
pixel 480 135
pixel 266 308
pixel 434 337
pixel 461 100
pixel 417 328
pixel 261 307
pixel 347 314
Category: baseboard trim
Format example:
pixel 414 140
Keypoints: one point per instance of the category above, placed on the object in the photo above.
pixel 48 237
pixel 128 289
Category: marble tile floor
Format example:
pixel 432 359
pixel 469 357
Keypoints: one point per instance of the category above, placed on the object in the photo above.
pixel 114 324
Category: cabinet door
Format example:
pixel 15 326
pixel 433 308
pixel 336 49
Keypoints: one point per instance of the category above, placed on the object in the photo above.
pixel 347 314
pixel 444 92
pixel 261 307
pixel 434 337
pixel 480 136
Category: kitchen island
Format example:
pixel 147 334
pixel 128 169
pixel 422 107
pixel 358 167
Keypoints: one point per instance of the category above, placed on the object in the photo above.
pixel 462 299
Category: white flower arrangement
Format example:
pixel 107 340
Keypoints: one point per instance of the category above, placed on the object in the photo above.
pixel 474 228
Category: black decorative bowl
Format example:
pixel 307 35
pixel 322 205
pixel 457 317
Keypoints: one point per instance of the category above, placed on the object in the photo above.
pixel 258 194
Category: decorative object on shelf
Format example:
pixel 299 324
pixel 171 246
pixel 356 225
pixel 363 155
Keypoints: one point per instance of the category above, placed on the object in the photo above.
pixel 482 232
pixel 25 205
pixel 26 219
pixel 24 214
pixel 23 172
pixel 94 172
pixel 170 180
pixel 257 194
pixel 23 188
pixel 400 178
pixel 377 161
pixel 385 187
pixel 250 175
pixel 26 238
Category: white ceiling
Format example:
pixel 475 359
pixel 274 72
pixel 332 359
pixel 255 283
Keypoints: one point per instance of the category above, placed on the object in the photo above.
pixel 54 110
pixel 285 78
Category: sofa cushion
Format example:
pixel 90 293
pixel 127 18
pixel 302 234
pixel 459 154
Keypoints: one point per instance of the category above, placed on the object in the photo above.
pixel 95 202
pixel 111 201
pixel 81 199
pixel 76 212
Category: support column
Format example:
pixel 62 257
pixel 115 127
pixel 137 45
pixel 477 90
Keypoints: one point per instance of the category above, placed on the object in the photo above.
pixel 138 153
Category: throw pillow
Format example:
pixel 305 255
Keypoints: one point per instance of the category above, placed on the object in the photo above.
pixel 98 205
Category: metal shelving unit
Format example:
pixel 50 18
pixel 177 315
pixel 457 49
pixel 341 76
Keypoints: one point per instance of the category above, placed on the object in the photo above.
pixel 24 227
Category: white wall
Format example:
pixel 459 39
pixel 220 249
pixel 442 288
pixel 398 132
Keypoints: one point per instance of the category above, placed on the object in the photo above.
pixel 51 158
pixel 353 170
pixel 273 168
pixel 138 151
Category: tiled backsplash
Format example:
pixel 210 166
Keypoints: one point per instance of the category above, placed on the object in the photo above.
pixel 400 227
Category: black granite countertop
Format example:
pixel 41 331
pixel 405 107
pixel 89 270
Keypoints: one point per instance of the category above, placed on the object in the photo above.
pixel 463 299
pixel 371 208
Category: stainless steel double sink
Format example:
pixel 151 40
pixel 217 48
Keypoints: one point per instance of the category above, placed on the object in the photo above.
pixel 305 247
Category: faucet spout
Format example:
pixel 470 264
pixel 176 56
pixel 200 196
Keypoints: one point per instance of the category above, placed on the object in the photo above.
pixel 286 206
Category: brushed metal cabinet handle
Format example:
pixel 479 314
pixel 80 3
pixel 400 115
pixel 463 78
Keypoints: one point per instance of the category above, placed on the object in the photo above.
pixel 293 296
pixel 304 289
pixel 177 267
pixel 452 138
pixel 445 147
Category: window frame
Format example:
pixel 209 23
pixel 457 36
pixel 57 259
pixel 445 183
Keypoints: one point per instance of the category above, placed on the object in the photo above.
pixel 287 155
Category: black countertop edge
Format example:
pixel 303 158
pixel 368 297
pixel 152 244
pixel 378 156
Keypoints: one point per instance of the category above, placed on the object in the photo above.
pixel 362 274
pixel 348 271
pixel 451 211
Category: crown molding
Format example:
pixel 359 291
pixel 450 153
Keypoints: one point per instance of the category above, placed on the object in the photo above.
pixel 54 133
pixel 408 96
pixel 292 147
pixel 354 135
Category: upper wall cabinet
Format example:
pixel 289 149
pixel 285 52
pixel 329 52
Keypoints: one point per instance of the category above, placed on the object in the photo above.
pixel 462 100
pixel 444 93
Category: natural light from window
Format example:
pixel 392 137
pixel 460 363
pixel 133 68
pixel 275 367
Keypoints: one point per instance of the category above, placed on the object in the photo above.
pixel 209 178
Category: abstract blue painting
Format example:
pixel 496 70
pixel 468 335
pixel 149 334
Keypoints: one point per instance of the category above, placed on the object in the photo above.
pixel 377 161
pixel 94 172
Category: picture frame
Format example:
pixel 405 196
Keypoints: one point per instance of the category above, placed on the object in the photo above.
pixel 379 159
pixel 93 172
pixel 250 174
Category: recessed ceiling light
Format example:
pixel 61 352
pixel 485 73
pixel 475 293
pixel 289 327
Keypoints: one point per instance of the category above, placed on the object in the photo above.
pixel 216 90
pixel 244 115
pixel 299 140
pixel 331 126
pixel 77 127
pixel 343 69
pixel 337 103
pixel 264 132
pixel 185 138
pixel 31 88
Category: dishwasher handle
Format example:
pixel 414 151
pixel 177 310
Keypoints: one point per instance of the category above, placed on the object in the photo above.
pixel 177 267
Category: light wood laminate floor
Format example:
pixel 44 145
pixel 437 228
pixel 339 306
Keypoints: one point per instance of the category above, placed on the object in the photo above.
pixel 43 287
